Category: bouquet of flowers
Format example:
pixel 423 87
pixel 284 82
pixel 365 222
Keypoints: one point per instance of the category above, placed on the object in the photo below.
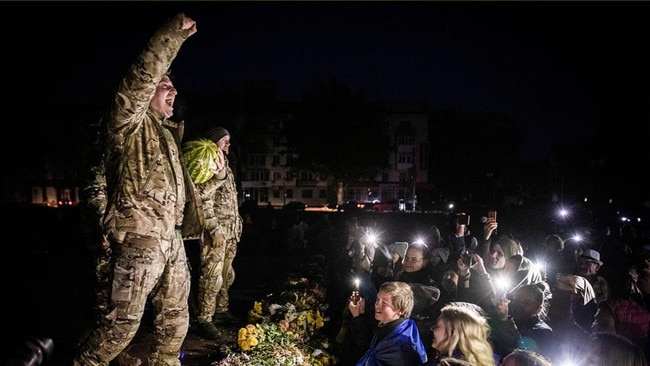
pixel 283 329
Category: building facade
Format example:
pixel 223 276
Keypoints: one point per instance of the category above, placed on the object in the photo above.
pixel 266 174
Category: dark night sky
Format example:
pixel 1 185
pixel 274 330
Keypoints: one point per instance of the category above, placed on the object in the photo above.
pixel 558 67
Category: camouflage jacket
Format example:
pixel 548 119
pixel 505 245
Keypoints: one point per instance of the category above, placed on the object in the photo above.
pixel 220 205
pixel 93 194
pixel 145 178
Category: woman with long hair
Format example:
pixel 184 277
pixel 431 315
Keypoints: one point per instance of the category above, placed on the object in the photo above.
pixel 462 333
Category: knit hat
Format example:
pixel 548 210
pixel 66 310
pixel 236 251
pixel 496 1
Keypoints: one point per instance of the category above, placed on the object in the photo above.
pixel 399 247
pixel 216 133
pixel 382 255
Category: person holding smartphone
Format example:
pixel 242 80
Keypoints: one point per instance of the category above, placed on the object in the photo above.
pixel 460 241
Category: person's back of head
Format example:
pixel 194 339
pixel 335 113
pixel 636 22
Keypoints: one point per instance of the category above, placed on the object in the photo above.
pixel 382 262
pixel 521 357
pixel 466 330
pixel 435 237
pixel 529 300
pixel 554 243
pixel 440 256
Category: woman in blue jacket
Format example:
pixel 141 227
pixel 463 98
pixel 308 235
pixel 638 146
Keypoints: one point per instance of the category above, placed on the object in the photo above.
pixel 396 340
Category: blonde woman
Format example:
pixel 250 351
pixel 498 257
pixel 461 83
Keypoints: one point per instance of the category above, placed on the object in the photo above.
pixel 462 333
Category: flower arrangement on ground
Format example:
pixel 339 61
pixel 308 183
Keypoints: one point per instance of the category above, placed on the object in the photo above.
pixel 284 330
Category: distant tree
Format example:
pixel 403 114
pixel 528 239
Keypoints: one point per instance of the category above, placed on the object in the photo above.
pixel 338 134
pixel 473 155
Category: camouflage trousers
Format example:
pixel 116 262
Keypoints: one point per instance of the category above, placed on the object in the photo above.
pixel 217 275
pixel 213 251
pixel 223 300
pixel 141 268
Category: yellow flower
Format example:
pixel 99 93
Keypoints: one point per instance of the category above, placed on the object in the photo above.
pixel 242 334
pixel 247 337
pixel 286 340
pixel 257 307
pixel 320 322
pixel 254 341
pixel 244 344
pixel 310 317
pixel 255 314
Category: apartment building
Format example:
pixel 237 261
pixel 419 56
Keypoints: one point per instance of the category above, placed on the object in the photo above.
pixel 266 174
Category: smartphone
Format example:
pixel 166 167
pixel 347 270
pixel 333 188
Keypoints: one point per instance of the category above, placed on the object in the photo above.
pixel 492 216
pixel 463 219
pixel 467 258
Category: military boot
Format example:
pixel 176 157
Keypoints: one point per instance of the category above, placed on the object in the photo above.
pixel 225 318
pixel 207 330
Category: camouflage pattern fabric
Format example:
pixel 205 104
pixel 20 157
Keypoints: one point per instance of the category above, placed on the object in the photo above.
pixel 223 226
pixel 143 269
pixel 223 300
pixel 92 206
pixel 146 197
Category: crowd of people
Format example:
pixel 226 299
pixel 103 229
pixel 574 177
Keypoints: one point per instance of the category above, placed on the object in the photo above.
pixel 460 299
pixel 493 300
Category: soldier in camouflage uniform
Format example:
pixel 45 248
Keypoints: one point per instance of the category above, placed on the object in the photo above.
pixel 146 198
pixel 92 206
pixel 222 231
